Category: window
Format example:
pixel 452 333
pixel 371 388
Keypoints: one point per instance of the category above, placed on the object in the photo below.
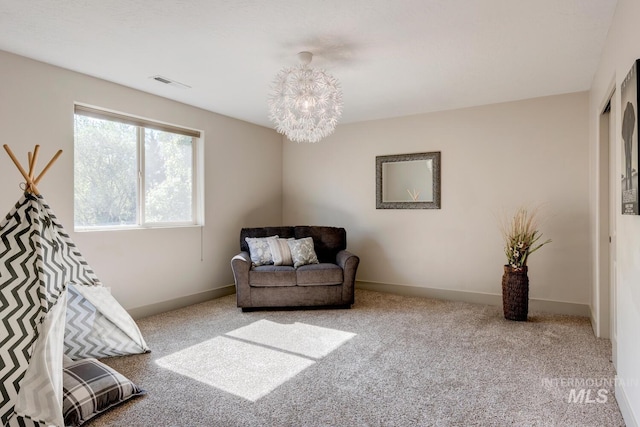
pixel 130 172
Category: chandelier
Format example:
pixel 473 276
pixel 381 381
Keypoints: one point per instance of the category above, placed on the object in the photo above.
pixel 305 104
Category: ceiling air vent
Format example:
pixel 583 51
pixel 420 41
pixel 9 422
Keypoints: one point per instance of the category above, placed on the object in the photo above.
pixel 166 81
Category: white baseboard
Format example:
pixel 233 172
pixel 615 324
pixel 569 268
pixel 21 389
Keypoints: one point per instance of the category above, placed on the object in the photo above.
pixel 625 408
pixel 161 307
pixel 556 307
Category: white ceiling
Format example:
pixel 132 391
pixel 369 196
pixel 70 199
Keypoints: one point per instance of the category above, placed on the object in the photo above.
pixel 392 57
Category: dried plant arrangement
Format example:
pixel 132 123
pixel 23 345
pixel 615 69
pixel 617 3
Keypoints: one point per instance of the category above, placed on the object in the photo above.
pixel 521 236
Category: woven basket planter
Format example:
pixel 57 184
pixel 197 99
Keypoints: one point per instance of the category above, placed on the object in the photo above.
pixel 515 293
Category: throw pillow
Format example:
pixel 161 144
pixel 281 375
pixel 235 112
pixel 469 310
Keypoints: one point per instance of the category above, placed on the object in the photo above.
pixel 259 250
pixel 302 252
pixel 280 251
pixel 90 388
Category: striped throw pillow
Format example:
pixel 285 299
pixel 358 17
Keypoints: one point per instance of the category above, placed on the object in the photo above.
pixel 280 252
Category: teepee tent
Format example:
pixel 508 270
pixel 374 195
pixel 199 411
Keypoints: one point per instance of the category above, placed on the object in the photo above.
pixel 51 303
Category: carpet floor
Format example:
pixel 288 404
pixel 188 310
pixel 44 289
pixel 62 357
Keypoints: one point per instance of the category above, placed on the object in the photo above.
pixel 389 361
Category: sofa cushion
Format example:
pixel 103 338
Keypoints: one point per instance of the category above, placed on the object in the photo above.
pixel 327 241
pixel 284 232
pixel 319 274
pixel 272 275
pixel 259 250
pixel 302 252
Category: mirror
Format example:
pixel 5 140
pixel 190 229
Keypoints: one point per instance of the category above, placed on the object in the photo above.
pixel 408 181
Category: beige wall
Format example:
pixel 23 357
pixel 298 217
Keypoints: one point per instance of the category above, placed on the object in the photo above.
pixel 142 267
pixel 494 158
pixel 621 50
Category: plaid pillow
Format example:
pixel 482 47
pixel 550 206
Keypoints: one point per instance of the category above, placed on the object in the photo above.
pixel 90 388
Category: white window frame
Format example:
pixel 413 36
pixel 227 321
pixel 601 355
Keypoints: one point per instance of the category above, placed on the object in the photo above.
pixel 197 188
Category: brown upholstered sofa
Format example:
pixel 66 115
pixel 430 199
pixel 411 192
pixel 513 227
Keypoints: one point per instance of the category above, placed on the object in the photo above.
pixel 330 282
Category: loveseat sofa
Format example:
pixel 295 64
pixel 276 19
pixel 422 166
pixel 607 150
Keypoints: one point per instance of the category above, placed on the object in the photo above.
pixel 301 281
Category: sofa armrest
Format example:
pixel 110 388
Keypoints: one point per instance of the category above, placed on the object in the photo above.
pixel 240 265
pixel 349 264
pixel 343 257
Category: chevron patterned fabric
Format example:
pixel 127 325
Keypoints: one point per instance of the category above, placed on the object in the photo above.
pixel 51 301
pixel 97 326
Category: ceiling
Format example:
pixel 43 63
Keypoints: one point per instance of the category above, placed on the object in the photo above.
pixel 392 57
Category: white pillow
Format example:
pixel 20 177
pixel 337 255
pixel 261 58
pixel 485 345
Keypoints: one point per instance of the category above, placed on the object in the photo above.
pixel 280 251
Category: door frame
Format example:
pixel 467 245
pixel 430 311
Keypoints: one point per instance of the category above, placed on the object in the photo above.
pixel 604 273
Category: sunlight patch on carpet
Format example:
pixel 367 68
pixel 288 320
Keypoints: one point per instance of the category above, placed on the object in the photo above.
pixel 243 369
pixel 254 360
pixel 300 338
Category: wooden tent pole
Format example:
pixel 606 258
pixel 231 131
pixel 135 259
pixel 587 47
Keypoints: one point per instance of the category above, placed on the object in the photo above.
pixel 33 161
pixel 46 168
pixel 30 162
pixel 33 158
pixel 30 185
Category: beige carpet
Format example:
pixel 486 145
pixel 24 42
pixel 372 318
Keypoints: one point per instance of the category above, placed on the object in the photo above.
pixel 388 361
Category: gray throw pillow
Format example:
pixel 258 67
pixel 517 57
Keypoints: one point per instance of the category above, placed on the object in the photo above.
pixel 259 250
pixel 302 252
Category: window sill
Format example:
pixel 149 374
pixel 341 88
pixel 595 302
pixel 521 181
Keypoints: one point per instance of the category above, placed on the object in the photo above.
pixel 134 228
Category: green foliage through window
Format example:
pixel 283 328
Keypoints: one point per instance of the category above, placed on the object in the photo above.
pixel 127 175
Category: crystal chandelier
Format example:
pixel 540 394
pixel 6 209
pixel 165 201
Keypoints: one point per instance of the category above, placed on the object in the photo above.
pixel 305 104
